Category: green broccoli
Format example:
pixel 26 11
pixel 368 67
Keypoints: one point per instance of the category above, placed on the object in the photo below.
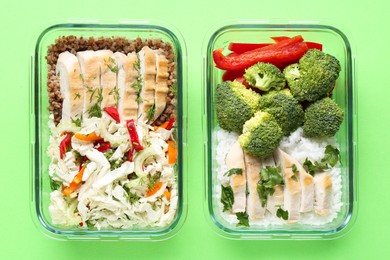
pixel 235 104
pixel 265 76
pixel 284 108
pixel 261 135
pixel 312 78
pixel 322 118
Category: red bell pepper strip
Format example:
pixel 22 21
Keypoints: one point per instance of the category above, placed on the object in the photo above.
pixel 280 38
pixel 133 135
pixel 103 146
pixel 242 81
pixel 113 112
pixel 65 144
pixel 232 74
pixel 285 51
pixel 170 124
pixel 244 47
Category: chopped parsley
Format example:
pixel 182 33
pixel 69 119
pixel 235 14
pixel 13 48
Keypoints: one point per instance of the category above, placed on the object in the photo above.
pixel 233 171
pixel 55 185
pixel 269 177
pixel 295 172
pixel 77 96
pixel 152 180
pixel 111 64
pixel 243 219
pixel 331 157
pixel 77 121
pixel 227 198
pixel 280 213
pixel 151 112
pixel 131 196
pixel 115 92
pixel 137 65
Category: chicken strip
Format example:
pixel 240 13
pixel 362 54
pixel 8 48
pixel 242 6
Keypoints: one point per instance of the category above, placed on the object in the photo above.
pixel 71 86
pixel 108 71
pixel 127 82
pixel 253 166
pixel 161 83
pixel 323 193
pixel 90 73
pixel 292 189
pixel 147 104
pixel 235 159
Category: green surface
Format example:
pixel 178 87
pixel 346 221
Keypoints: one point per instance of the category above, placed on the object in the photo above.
pixel 367 29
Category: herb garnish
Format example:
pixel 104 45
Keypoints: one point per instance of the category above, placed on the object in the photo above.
pixel 151 112
pixel 115 92
pixel 295 172
pixel 227 197
pixel 76 121
pixel 280 213
pixel 269 177
pixel 243 219
pixel 55 185
pixel 233 171
pixel 153 180
pixel 111 64
pixel 331 157
pixel 131 197
pixel 77 96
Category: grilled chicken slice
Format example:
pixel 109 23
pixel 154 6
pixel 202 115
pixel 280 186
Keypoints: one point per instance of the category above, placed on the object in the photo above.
pixel 71 86
pixel 127 82
pixel 323 193
pixel 108 70
pixel 90 73
pixel 292 189
pixel 276 200
pixel 147 104
pixel 253 166
pixel 235 159
pixel 161 83
pixel 305 180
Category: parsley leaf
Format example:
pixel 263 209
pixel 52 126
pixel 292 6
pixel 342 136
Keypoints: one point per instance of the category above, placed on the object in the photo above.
pixel 332 155
pixel 151 112
pixel 233 171
pixel 280 213
pixel 270 176
pixel 243 219
pixel 227 197
pixel 295 172
pixel 55 185
pixel 76 121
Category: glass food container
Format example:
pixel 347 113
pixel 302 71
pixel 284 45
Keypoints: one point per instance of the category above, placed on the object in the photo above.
pixel 335 43
pixel 40 132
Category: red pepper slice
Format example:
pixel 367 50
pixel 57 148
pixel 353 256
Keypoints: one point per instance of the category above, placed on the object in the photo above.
pixel 284 51
pixel 65 144
pixel 133 135
pixel 244 47
pixel 113 112
pixel 280 38
pixel 103 146
pixel 232 74
pixel 170 124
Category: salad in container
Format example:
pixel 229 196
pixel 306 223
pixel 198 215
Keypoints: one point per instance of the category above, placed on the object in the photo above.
pixel 279 131
pixel 108 145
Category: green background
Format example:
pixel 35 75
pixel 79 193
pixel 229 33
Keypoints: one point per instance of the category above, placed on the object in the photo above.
pixel 365 23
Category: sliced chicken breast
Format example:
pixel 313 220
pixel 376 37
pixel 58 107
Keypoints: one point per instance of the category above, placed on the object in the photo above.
pixel 292 189
pixel 323 193
pixel 253 165
pixel 90 73
pixel 108 71
pixel 276 200
pixel 71 86
pixel 235 159
pixel 127 82
pixel 305 180
pixel 147 104
pixel 161 83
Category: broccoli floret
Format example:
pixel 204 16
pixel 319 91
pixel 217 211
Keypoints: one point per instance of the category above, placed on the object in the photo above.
pixel 312 78
pixel 261 135
pixel 235 104
pixel 265 76
pixel 322 118
pixel 284 108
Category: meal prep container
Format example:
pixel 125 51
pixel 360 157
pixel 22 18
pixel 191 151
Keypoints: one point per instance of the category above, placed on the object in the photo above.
pixel 335 43
pixel 40 132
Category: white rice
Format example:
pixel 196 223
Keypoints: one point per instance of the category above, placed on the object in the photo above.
pixel 298 147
